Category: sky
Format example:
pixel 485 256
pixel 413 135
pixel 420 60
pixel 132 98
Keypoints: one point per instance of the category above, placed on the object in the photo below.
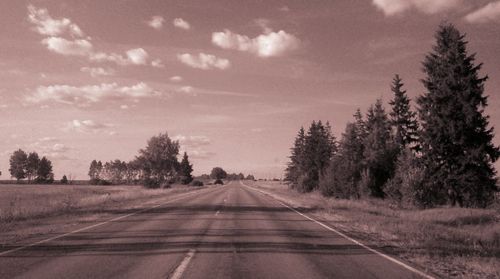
pixel 232 81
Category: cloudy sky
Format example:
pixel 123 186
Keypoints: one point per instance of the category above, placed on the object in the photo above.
pixel 233 81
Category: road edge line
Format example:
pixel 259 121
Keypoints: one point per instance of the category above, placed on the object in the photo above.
pixel 387 257
pixel 94 225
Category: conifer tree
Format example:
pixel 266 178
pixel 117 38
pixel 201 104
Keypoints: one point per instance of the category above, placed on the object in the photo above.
pixel 292 171
pixel 403 119
pixel 319 147
pixel 379 152
pixel 457 149
pixel 186 169
pixel 343 174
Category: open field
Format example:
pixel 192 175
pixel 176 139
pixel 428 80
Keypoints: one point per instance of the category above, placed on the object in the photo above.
pixel 453 242
pixel 25 202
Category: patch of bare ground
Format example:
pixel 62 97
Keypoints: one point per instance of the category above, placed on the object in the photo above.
pixel 447 242
pixel 30 213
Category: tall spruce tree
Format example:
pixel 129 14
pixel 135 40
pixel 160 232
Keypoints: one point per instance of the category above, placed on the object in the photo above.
pixel 344 172
pixel 379 151
pixel 185 170
pixel 457 149
pixel 292 171
pixel 319 147
pixel 403 119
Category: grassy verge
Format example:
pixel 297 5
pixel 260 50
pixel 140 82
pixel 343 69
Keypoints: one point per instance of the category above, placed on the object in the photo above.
pixel 449 242
pixel 26 202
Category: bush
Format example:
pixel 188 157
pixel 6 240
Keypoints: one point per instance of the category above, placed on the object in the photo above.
pixel 404 187
pixel 196 183
pixel 64 180
pixel 151 183
pixel 219 181
pixel 97 181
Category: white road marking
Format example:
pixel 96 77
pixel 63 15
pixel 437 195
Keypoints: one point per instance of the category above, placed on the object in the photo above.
pixel 394 260
pixel 183 265
pixel 95 225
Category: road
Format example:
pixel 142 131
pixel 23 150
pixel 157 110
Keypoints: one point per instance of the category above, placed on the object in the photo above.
pixel 231 231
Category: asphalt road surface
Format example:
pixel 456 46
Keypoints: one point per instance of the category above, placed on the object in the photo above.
pixel 231 231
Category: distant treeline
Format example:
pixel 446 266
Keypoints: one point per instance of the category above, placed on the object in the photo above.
pixel 156 166
pixel 445 158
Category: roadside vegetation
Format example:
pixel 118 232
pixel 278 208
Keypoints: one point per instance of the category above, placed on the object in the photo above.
pixel 443 158
pixel 419 183
pixel 25 202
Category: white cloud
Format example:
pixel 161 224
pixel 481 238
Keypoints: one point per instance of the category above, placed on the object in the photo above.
pixel 56 40
pixel 157 63
pixel 97 71
pixel 199 154
pixel 46 25
pixel 89 126
pixel 176 78
pixel 204 61
pixel 51 148
pixel 192 141
pixel 187 89
pixel 181 23
pixel 88 94
pixel 490 12
pixel 393 7
pixel 137 56
pixel 195 146
pixel 156 22
pixel 78 47
pixel 265 45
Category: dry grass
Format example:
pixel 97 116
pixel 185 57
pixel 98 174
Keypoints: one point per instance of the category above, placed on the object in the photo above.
pixel 451 242
pixel 24 202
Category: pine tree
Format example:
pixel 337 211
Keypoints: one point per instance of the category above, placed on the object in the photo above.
pixel 319 147
pixel 343 174
pixel 292 171
pixel 185 170
pixel 360 124
pixel 379 152
pixel 457 149
pixel 403 119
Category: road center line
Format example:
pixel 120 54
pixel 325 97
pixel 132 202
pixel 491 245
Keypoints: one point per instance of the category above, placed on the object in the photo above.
pixel 394 260
pixel 95 225
pixel 183 265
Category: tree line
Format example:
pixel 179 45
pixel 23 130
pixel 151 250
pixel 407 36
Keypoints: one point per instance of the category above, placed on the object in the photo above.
pixel 441 154
pixel 156 165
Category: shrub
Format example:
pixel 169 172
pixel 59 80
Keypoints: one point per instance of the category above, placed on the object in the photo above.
pixel 196 183
pixel 64 180
pixel 404 187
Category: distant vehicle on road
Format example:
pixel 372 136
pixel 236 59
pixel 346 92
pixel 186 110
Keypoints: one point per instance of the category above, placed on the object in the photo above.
pixel 219 182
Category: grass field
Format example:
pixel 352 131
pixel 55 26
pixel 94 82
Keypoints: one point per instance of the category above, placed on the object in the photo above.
pixel 451 242
pixel 23 202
